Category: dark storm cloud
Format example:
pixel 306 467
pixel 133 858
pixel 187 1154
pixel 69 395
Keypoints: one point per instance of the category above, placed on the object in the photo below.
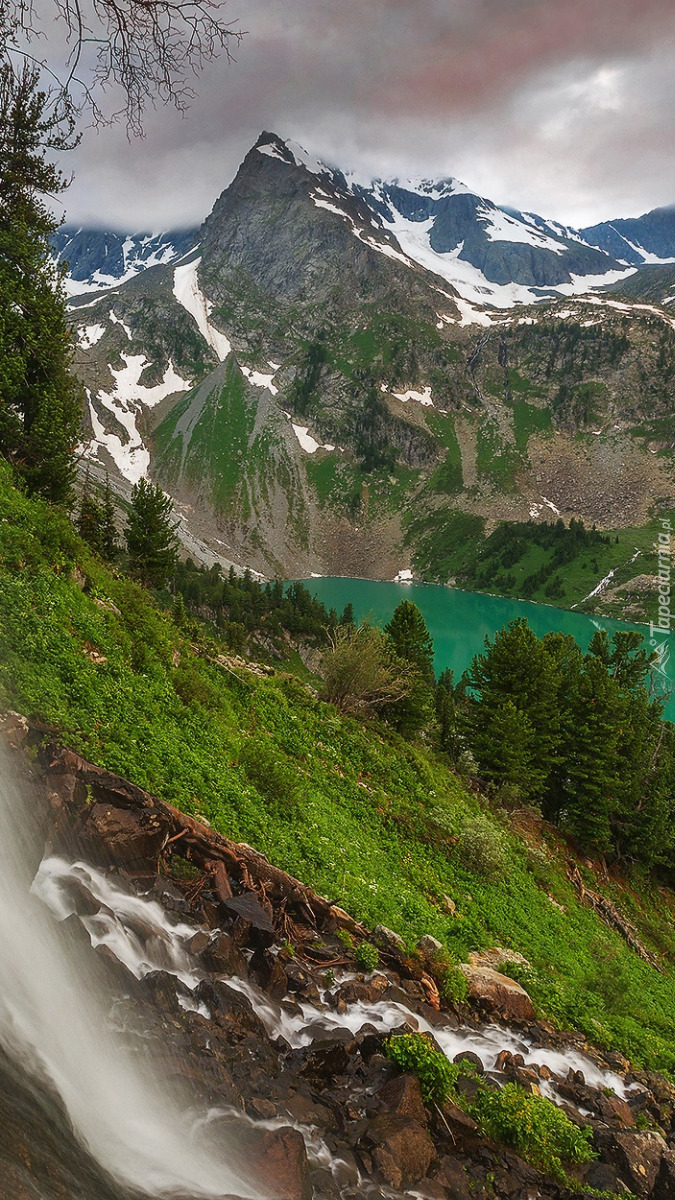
pixel 566 107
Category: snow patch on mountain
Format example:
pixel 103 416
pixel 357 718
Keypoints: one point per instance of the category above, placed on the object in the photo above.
pixel 258 379
pixel 89 336
pixel 116 321
pixel 98 282
pixel 124 403
pixel 188 293
pixel 308 443
pixel 423 397
pixel 501 227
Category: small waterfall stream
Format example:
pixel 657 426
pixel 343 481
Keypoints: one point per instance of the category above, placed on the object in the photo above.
pixel 119 1131
pixel 54 1026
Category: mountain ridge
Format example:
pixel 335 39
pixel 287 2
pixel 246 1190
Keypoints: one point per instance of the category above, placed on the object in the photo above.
pixel 365 402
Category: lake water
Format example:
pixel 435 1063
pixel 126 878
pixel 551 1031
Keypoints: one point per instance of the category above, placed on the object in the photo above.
pixel 459 621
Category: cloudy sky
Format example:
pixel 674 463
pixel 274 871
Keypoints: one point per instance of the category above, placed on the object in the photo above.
pixel 563 107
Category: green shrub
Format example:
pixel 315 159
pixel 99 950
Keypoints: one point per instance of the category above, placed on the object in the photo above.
pixel 415 1052
pixel 270 772
pixel 535 1127
pixel 481 847
pixel 451 981
pixel 367 956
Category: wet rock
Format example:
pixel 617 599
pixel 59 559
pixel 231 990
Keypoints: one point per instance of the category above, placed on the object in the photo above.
pixel 614 1110
pixel 664 1188
pixel 638 1157
pixel 127 838
pixel 402 1097
pixel 198 942
pixel 498 993
pixel 605 1178
pixel 269 974
pixel 248 908
pixel 231 1009
pixel 301 981
pixel 169 895
pixel 223 956
pixel 307 1110
pixel 323 1062
pixel 387 939
pixel 260 1109
pixel 279 1159
pixel 451 1175
pixel 468 1086
pixel 163 988
pixel 402 1150
pixel 357 991
pixel 457 1119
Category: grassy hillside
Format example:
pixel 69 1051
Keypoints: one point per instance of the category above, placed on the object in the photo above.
pixel 380 825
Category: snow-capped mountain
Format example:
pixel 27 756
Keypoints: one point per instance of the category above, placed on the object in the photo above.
pixel 494 257
pixel 649 239
pixel 334 367
pixel 101 258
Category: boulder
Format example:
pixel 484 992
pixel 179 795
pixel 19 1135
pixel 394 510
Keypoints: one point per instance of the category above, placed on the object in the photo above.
pixel 614 1111
pixel 248 907
pixel 302 982
pixel 429 946
pixel 125 837
pixel 325 1060
pixel 402 1097
pixel 452 1175
pixel 664 1188
pixel 280 1162
pixel 357 991
pixel 495 956
pixel 472 1059
pixel 387 939
pixel 638 1157
pixel 402 1150
pixel 223 957
pixel 269 974
pixel 603 1177
pixel 498 993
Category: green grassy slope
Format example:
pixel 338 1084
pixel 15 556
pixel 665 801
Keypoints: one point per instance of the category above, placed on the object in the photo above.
pixel 354 811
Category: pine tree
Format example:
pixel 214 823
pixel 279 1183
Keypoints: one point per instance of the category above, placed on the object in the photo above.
pixel 89 520
pixel 40 401
pixel 409 640
pixel 450 701
pixel 109 540
pixel 517 668
pixel 593 728
pixel 347 617
pixel 150 535
pixel 504 744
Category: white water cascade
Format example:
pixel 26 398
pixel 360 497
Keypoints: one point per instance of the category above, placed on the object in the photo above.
pixel 54 1025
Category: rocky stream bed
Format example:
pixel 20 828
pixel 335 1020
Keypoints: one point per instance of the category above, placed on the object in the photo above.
pixel 234 978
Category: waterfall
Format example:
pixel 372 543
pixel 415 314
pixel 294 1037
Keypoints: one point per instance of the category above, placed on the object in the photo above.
pixel 55 1030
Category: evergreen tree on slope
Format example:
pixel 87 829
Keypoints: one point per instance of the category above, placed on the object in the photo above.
pixel 40 402
pixel 150 535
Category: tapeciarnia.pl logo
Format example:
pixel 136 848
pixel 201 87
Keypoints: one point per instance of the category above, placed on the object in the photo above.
pixel 659 639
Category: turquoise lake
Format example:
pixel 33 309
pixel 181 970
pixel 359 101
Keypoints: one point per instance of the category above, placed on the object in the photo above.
pixel 459 621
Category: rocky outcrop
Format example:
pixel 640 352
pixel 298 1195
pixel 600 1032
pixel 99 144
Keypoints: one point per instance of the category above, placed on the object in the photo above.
pixel 497 993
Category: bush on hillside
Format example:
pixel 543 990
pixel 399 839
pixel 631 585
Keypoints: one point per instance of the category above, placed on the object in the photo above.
pixel 481 847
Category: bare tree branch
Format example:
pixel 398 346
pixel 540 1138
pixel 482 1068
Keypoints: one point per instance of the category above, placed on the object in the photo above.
pixel 150 51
